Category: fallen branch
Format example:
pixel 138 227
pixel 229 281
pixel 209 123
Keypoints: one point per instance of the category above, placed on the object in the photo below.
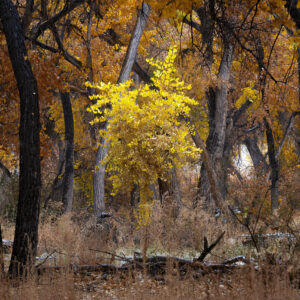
pixel 207 249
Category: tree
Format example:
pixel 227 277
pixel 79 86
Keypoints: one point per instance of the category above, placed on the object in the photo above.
pixel 144 132
pixel 26 232
pixel 67 197
pixel 98 185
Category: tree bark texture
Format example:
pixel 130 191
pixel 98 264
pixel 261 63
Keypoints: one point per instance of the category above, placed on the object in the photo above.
pixel 68 183
pixel 99 191
pixel 26 231
pixel 99 179
pixel 274 164
pixel 211 174
pixel 218 113
pixel 257 157
pixel 5 171
pixel 1 253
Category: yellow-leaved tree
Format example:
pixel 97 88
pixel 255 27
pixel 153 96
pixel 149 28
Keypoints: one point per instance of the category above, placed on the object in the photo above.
pixel 145 133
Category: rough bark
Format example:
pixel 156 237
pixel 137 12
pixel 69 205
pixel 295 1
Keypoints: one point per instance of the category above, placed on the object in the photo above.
pixel 291 6
pixel 274 164
pixel 26 231
pixel 1 253
pixel 218 113
pixel 99 192
pixel 6 172
pixel 298 131
pixel 211 174
pixel 99 178
pixel 257 157
pixel 175 193
pixel 27 17
pixel 134 43
pixel 67 197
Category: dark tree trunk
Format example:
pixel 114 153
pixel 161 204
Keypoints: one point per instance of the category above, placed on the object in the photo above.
pixel 124 76
pixel 257 157
pixel 67 197
pixel 298 130
pixel 28 209
pixel 6 172
pixel 1 253
pixel 164 190
pixel 274 164
pixel 27 17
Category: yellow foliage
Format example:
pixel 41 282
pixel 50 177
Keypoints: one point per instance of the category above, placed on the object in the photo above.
pixel 144 131
pixel 248 93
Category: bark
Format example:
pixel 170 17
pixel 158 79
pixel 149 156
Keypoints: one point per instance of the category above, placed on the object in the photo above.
pixel 134 43
pixel 211 174
pixel 55 191
pixel 6 172
pixel 274 164
pixel 205 14
pixel 26 231
pixel 27 17
pixel 175 193
pixel 291 6
pixel 286 133
pixel 218 113
pixel 68 183
pixel 257 157
pixel 99 177
pixel 298 130
pixel 1 253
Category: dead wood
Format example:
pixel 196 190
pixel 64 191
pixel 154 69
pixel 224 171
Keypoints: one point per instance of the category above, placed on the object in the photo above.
pixel 207 249
pixel 1 252
pixel 156 265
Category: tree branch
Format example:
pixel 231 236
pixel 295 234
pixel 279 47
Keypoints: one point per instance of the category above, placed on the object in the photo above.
pixel 286 133
pixel 41 27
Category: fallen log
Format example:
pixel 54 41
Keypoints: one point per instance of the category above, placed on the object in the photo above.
pixel 156 265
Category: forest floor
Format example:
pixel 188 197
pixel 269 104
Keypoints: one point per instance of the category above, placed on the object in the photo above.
pixel 80 251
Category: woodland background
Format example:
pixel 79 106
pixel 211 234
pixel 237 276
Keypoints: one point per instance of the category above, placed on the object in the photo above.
pixel 150 128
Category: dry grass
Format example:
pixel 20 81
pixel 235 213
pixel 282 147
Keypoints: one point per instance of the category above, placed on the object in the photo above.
pixel 71 240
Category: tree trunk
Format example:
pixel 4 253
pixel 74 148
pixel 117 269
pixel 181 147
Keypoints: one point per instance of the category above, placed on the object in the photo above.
pixel 67 197
pixel 28 209
pixel 274 166
pixel 175 188
pixel 257 157
pixel 211 174
pixel 1 253
pixel 169 193
pixel 5 171
pixel 215 144
pixel 99 176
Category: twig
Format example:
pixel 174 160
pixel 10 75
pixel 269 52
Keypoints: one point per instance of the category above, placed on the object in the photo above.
pixel 46 258
pixel 117 256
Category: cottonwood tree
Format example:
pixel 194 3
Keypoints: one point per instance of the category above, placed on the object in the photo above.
pixel 26 232
pixel 98 185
